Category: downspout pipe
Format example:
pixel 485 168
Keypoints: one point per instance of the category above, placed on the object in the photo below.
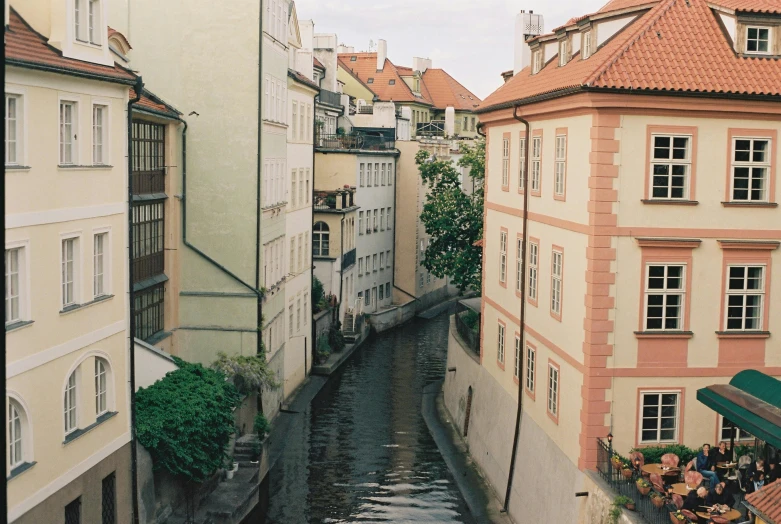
pixel 522 327
pixel 258 205
pixel 138 88
pixel 341 267
pixel 311 228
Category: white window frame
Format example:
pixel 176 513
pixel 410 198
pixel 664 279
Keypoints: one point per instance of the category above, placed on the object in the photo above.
pixel 671 163
pixel 751 166
pixel 76 261
pixel 15 437
pixel 770 36
pixel 531 366
pixel 71 133
pixel 536 164
pixel 537 61
pixel 360 266
pixel 677 418
pixel 505 162
pixel 563 52
pixel 745 292
pixel 101 135
pixel 389 224
pixel 25 440
pixel 105 232
pixel 586 45
pixel 503 256
pixel 390 174
pixel 382 260
pixel 369 168
pixel 518 263
pixel 534 260
pixel 522 160
pixel 95 21
pixel 500 340
pixel 554 383
pixel 361 174
pixel 518 356
pixel 294 187
pixel 388 259
pixel 101 386
pixel 18 122
pixel 71 403
pixel 294 123
pixel 665 292
pixel 360 223
pixel 738 436
pixel 557 281
pixel 560 173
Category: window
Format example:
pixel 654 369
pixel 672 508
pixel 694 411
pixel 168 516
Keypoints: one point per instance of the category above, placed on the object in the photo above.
pixel 664 292
pixel 670 167
pixel 389 218
pixel 302 128
pixel 387 290
pixel 537 62
pixel 360 176
pixel 522 160
pixel 149 309
pixel 293 186
pixel 290 322
pixel 374 262
pixel 368 297
pixel 517 368
pixel 505 162
pixel 360 222
pixel 374 220
pixel 382 261
pixel 503 256
pixel 376 175
pixel 306 308
pixel 587 45
pixel 382 219
pixel 382 177
pixel 320 239
pixel 99 133
pixel 148 240
pixel 390 174
pixel 757 40
pixel 388 259
pixel 95 22
pixel 659 417
pixel 292 255
pixel 534 251
pixel 531 362
pixel 382 293
pixel 472 127
pixel 100 387
pixel 99 281
pixel 369 174
pixel 370 81
pixel 71 418
pixel 73 512
pixel 294 130
pixel 518 264
pixel 300 264
pixel 15 429
pixel 78 24
pixel 392 82
pixel 69 271
pixel 557 273
pixel 14 282
pixel 563 52
pixel 745 296
pixel 68 133
pixel 536 164
pixel 13 130
pixel 553 390
pixel 307 193
pixel 148 157
pixel 559 180
pixel 360 266
pixel 726 428
pixel 108 499
pixel 500 344
pixel 750 168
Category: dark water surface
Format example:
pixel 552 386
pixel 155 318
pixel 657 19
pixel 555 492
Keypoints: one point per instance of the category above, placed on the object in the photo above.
pixel 362 451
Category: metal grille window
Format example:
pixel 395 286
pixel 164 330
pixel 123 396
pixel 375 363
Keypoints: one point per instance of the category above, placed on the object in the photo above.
pixel 100 387
pixel 15 456
pixel 73 512
pixel 561 165
pixel 320 239
pixel 148 150
pixel 503 256
pixel 557 274
pixel 670 167
pixel 70 404
pixel 67 133
pixel 536 163
pixel 149 311
pixel 745 295
pixel 148 237
pixel 500 344
pixel 12 293
pixel 109 499
pixel 750 168
pixel 553 390
pixel 534 251
pixel 659 417
pixel 505 162
pixel 664 294
pixel 531 358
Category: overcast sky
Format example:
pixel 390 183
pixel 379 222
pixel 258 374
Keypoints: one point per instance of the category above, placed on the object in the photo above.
pixel 472 40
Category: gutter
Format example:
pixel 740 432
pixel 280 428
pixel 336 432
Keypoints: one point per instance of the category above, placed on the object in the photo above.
pixel 64 71
pixel 522 327
pixel 138 87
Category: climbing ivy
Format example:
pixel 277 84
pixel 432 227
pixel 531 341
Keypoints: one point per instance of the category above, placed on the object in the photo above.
pixel 247 372
pixel 185 420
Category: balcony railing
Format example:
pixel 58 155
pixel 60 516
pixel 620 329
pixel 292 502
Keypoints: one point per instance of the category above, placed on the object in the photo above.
pixel 148 182
pixel 148 266
pixel 355 141
pixel 366 109
pixel 468 327
pixel 332 201
pixel 433 128
pixel 330 98
pixel 348 259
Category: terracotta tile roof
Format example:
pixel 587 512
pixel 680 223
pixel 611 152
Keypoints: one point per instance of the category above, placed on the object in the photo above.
pixel 319 64
pixel 615 5
pixel 24 47
pixel 444 91
pixel 298 77
pixel 674 47
pixel 751 6
pixel 365 67
pixel 151 102
pixel 405 71
pixel 768 501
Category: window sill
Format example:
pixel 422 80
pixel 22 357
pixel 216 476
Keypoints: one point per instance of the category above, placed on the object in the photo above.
pixel 15 167
pixel 663 334
pixel 149 282
pixel 158 337
pixel 21 468
pixel 749 204
pixel 70 437
pixel 275 123
pixel 19 324
pixel 670 202
pixel 76 307
pixel 149 197
pixel 743 334
pixel 67 167
pixel 274 206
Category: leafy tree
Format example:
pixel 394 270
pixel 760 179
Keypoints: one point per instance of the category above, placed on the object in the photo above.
pixel 247 373
pixel 453 218
pixel 318 295
pixel 186 420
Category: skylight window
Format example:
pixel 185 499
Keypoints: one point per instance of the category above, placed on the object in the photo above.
pixel 757 39
pixel 392 82
pixel 353 58
pixel 370 81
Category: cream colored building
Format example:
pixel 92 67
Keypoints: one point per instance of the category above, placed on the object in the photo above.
pixel 68 426
pixel 653 231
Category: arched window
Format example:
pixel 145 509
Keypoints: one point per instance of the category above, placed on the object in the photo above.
pixel 69 408
pixel 15 435
pixel 320 239
pixel 101 390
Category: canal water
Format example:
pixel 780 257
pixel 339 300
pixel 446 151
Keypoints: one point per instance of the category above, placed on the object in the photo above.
pixel 362 451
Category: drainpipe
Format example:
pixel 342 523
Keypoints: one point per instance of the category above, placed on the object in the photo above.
pixel 259 319
pixel 341 269
pixel 311 250
pixel 395 222
pixel 138 88
pixel 522 327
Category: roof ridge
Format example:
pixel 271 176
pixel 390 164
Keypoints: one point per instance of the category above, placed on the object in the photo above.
pixel 396 71
pixel 639 32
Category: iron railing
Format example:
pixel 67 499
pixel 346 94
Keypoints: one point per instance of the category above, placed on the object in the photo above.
pixel 149 311
pixel 366 109
pixel 330 98
pixel 148 182
pixel 354 141
pixel 471 335
pixel 432 128
pixel 348 259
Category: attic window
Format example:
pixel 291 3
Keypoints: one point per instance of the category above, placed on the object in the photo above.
pixel 353 58
pixel 392 82
pixel 370 81
pixel 586 46
pixel 757 40
pixel 563 46
pixel 537 62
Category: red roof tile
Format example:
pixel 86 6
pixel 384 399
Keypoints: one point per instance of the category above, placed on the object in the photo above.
pixel 319 64
pixel 751 6
pixel 768 501
pixel 298 77
pixel 615 5
pixel 151 102
pixel 677 46
pixel 24 47
pixel 365 68
pixel 444 91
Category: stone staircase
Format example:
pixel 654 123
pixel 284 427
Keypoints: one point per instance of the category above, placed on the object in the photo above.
pixel 351 336
pixel 244 451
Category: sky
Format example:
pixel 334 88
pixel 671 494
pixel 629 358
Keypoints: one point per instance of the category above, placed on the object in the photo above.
pixel 471 39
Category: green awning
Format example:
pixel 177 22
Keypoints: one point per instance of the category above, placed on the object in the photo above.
pixel 752 401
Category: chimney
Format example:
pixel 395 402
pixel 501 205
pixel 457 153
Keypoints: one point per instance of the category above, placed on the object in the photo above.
pixel 382 53
pixel 507 75
pixel 527 25
pixel 421 64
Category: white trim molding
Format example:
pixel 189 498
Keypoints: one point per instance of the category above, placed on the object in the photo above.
pixel 38 218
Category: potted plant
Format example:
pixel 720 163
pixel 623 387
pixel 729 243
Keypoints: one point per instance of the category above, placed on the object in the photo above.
pixel 677 516
pixel 624 501
pixel 643 486
pixel 231 468
pixel 616 460
pixel 657 499
pixel 626 470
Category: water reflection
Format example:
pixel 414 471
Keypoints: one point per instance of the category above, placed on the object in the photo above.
pixel 361 452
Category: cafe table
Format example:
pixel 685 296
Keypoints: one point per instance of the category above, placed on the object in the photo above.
pixel 730 467
pixel 732 514
pixel 682 489
pixel 658 469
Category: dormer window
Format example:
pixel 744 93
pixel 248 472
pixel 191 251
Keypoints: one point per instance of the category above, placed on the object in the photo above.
pixel 87 21
pixel 563 52
pixel 586 45
pixel 94 19
pixel 758 40
pixel 537 61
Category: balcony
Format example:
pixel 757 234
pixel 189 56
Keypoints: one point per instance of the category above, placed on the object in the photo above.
pixel 148 182
pixel 334 200
pixel 148 266
pixel 330 98
pixel 348 259
pixel 366 109
pixel 433 128
pixel 354 141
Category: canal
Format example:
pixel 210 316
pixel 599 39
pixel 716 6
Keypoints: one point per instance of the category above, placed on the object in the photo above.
pixel 361 451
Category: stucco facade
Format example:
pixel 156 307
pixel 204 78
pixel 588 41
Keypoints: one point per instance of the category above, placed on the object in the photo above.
pixel 66 293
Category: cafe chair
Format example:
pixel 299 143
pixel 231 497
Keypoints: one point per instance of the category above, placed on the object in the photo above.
pixel 677 500
pixel 716 519
pixel 693 478
pixel 689 515
pixel 670 460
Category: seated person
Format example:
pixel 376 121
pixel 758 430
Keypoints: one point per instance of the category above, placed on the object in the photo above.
pixel 773 472
pixel 721 454
pixel 695 499
pixel 718 496
pixel 755 468
pixel 756 482
pixel 705 466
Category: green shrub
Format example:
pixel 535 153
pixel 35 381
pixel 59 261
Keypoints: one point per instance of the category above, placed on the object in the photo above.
pixel 336 337
pixel 318 295
pixel 261 426
pixel 247 373
pixel 471 319
pixel 653 454
pixel 323 349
